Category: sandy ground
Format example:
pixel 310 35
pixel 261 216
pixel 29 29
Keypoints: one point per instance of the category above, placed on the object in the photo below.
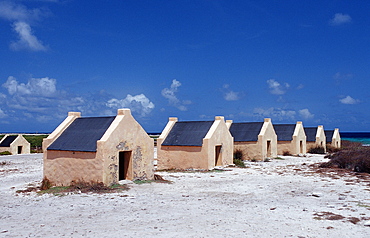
pixel 281 198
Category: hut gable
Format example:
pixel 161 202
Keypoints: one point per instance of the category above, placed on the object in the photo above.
pixel 194 144
pixel 291 138
pixel 82 134
pixel 99 149
pixel 315 136
pixel 333 137
pixel 188 133
pixel 15 144
pixel 256 140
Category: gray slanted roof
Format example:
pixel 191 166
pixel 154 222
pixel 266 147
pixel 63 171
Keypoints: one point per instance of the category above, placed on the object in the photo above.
pixel 329 135
pixel 310 133
pixel 246 131
pixel 7 141
pixel 82 134
pixel 284 132
pixel 188 133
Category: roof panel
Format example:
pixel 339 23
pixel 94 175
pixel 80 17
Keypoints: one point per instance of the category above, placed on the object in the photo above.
pixel 284 132
pixel 7 141
pixel 246 131
pixel 188 133
pixel 82 134
pixel 329 135
pixel 310 133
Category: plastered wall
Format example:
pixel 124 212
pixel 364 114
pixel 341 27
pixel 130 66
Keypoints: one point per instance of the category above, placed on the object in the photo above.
pixel 197 157
pixel 124 134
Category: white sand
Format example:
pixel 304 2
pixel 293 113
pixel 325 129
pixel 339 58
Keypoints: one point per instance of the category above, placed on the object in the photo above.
pixel 271 199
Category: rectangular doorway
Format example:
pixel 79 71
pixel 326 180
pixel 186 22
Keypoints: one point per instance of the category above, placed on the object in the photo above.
pixel 19 150
pixel 218 160
pixel 125 165
pixel 301 147
pixel 268 149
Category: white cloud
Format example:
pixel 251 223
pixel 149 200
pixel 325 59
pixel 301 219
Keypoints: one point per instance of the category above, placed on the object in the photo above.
pixel 35 86
pixel 230 95
pixel 26 40
pixel 339 19
pixel 170 94
pixel 305 114
pixel 138 103
pixel 276 88
pixel 2 114
pixel 340 76
pixel 22 18
pixel 349 100
pixel 17 12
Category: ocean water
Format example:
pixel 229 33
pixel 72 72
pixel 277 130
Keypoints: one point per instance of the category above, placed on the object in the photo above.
pixel 362 137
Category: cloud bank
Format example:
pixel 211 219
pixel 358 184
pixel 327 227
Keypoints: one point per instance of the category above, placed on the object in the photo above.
pixel 40 99
pixel 280 114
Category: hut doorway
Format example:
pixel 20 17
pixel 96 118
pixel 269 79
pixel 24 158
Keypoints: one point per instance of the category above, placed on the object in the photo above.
pixel 301 147
pixel 268 148
pixel 218 160
pixel 19 149
pixel 125 165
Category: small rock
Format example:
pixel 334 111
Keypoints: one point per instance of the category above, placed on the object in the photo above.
pixel 4 231
pixel 330 206
pixel 367 223
pixel 342 198
pixel 316 195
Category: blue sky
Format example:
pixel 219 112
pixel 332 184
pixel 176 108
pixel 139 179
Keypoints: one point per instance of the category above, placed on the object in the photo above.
pixel 194 59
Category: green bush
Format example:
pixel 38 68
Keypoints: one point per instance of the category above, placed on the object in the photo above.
pixel 5 153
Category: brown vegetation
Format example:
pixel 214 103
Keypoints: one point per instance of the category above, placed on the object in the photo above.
pixel 353 156
pixel 316 150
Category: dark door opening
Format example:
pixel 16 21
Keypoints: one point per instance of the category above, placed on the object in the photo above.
pixel 268 148
pixel 125 165
pixel 301 147
pixel 218 160
pixel 19 149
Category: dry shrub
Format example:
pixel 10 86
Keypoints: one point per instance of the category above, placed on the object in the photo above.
pixel 317 150
pixel 352 157
pixel 45 184
pixel 331 149
pixel 238 154
pixel 286 153
pixel 85 187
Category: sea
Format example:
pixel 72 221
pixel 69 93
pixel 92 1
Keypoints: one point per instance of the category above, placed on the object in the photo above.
pixel 362 137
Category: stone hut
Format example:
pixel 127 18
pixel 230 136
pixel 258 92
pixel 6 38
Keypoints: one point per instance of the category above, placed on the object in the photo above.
pixel 333 138
pixel 194 145
pixel 291 138
pixel 15 144
pixel 256 140
pixel 98 149
pixel 315 136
